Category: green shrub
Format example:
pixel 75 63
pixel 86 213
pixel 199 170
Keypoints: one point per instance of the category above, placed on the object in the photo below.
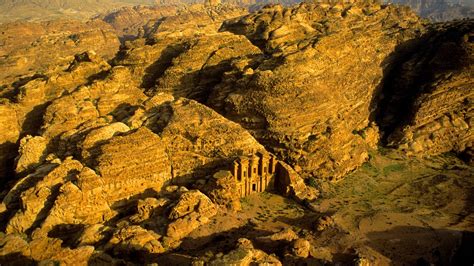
pixel 393 168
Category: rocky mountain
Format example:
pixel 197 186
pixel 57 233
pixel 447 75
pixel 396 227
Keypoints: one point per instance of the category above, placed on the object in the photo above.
pixel 13 10
pixel 215 136
pixel 440 10
pixel 35 10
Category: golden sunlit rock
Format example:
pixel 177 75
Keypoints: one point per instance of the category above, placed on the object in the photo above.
pixel 235 133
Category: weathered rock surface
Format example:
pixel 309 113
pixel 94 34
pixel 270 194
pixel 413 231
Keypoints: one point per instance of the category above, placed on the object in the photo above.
pixel 193 20
pixel 435 112
pixel 202 64
pixel 301 102
pixel 135 240
pixel 32 153
pixel 440 10
pixel 8 137
pixel 22 112
pixel 290 184
pixel 188 47
pixel 15 250
pixel 223 190
pixel 277 240
pixel 109 96
pixel 193 209
pixel 246 254
pixel 128 21
pixel 38 199
pixel 112 156
pixel 199 139
pixel 301 248
pixel 27 46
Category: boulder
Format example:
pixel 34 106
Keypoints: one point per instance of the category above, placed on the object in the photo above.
pixel 31 153
pixel 244 255
pixel 301 248
pixel 192 210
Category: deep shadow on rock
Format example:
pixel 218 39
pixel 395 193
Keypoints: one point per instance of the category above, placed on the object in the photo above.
pixel 16 259
pixel 411 245
pixel 417 70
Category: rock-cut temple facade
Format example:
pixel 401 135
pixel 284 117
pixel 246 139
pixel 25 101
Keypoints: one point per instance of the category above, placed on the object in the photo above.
pixel 254 173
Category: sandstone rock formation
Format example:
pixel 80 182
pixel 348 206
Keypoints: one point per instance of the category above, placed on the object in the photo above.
pixel 440 10
pixel 199 140
pixel 26 46
pixel 192 210
pixel 127 158
pixel 290 184
pixel 135 240
pixel 28 87
pixel 246 254
pixel 435 112
pixel 46 250
pixel 300 102
pixel 128 21
pixel 185 43
pixel 32 153
pixel 223 190
pixel 12 10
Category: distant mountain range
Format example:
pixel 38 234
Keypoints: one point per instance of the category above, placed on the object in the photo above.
pixel 440 10
pixel 11 10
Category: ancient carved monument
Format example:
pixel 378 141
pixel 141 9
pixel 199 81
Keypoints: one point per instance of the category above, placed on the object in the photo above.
pixel 254 173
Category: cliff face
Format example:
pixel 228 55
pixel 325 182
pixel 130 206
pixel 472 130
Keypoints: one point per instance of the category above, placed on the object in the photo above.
pixel 298 97
pixel 29 69
pixel 428 100
pixel 107 155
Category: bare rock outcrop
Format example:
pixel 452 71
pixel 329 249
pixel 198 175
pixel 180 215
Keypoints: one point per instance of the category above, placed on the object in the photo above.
pixel 245 254
pixel 109 96
pixel 301 248
pixel 130 157
pixel 32 153
pixel 128 21
pixel 8 137
pixel 184 54
pixel 310 101
pixel 26 46
pixel 22 109
pixel 38 199
pixel 192 210
pixel 277 240
pixel 193 20
pixel 202 64
pixel 199 140
pixel 434 113
pixel 290 184
pixel 223 190
pixel 17 251
pixel 135 240
pixel 140 169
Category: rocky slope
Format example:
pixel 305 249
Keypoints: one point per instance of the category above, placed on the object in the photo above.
pixel 115 159
pixel 440 10
pixel 26 46
pixel 129 21
pixel 309 91
pixel 32 75
pixel 142 21
pixel 433 114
